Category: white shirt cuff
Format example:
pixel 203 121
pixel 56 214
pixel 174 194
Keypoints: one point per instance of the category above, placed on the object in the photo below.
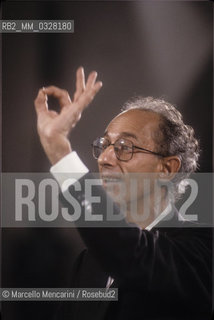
pixel 68 170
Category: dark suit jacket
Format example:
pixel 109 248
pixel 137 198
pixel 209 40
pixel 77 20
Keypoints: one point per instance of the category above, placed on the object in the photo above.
pixel 165 273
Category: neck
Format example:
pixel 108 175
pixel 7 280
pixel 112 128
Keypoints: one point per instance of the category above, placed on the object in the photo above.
pixel 145 210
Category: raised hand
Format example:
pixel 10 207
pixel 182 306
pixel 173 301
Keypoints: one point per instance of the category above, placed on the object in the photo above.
pixel 53 128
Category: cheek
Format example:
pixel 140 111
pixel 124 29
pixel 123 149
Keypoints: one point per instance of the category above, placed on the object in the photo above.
pixel 142 164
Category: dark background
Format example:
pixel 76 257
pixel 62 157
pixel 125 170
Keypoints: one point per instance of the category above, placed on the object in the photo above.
pixel 157 48
pixel 138 48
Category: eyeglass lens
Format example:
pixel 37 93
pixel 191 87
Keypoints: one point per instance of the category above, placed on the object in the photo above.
pixel 122 148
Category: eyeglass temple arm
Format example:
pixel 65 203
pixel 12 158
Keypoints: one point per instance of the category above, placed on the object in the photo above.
pixel 156 153
pixel 152 152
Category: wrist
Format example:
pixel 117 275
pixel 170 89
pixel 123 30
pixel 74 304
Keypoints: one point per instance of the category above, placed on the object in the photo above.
pixel 55 157
pixel 56 148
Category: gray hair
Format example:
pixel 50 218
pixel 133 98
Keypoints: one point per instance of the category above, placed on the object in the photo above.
pixel 176 138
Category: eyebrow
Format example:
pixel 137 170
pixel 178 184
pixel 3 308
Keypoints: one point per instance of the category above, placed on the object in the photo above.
pixel 124 134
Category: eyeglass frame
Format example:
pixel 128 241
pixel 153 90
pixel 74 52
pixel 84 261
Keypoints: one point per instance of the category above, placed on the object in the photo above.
pixel 133 146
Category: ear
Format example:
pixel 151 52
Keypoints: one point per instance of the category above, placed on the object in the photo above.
pixel 170 166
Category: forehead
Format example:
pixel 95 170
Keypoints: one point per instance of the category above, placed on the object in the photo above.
pixel 142 124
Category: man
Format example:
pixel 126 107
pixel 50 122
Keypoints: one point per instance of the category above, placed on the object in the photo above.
pixel 162 272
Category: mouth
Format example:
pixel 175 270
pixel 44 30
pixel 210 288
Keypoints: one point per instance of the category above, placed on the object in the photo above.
pixel 111 182
pixel 111 179
pixel 114 186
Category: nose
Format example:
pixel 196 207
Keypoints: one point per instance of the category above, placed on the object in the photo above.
pixel 107 157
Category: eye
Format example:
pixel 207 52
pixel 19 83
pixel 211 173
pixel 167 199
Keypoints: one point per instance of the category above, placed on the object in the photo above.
pixel 104 143
pixel 124 146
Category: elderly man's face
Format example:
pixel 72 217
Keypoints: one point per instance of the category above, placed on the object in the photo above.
pixel 139 127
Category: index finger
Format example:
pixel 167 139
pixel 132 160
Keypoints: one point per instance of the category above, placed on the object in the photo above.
pixel 41 102
pixel 61 94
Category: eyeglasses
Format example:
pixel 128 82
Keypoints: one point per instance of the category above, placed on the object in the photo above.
pixel 123 148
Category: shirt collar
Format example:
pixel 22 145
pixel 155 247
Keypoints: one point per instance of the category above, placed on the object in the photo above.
pixel 160 217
